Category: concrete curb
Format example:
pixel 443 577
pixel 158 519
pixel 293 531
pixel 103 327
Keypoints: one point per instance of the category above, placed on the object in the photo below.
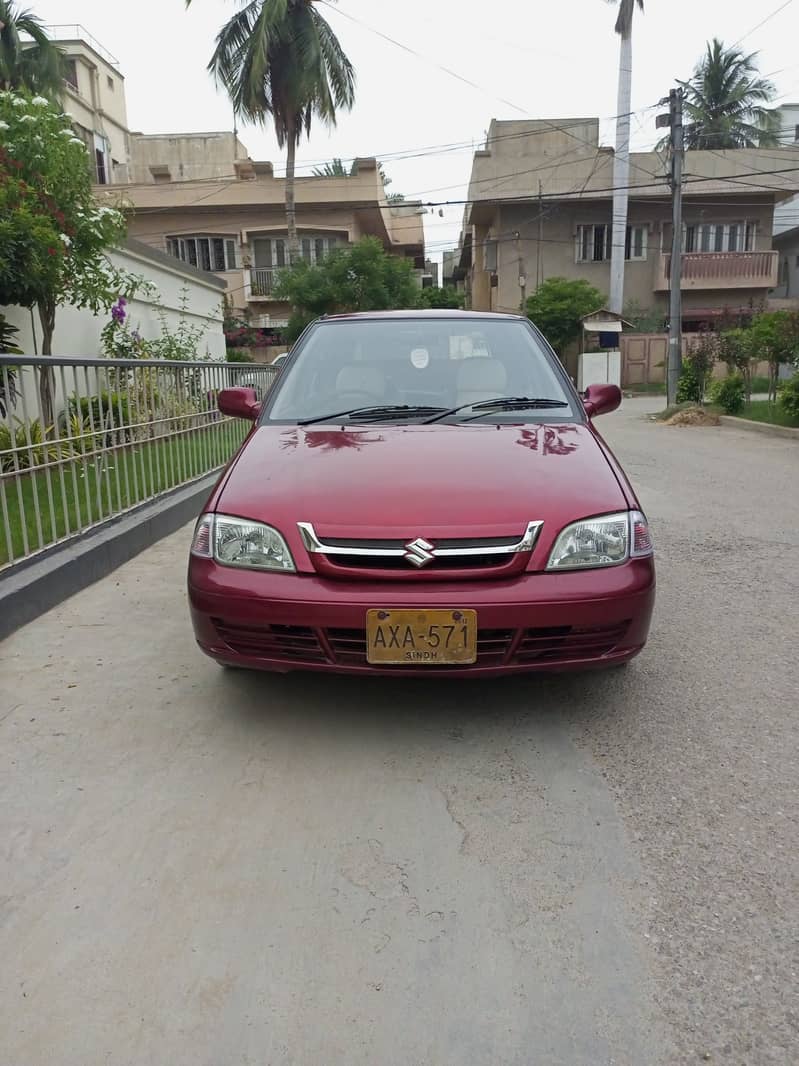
pixel 764 428
pixel 33 586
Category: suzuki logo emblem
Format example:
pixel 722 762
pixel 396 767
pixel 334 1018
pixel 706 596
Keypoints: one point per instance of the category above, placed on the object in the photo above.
pixel 419 552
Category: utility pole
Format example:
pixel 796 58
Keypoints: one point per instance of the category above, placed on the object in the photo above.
pixel 539 270
pixel 674 363
pixel 522 274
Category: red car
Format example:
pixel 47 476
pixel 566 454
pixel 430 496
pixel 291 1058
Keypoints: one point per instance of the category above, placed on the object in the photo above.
pixel 422 492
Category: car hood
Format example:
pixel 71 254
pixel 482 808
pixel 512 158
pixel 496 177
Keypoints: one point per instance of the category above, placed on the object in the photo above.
pixel 430 481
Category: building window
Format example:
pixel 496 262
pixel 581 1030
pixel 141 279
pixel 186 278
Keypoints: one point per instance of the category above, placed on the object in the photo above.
pixel 635 243
pixel 110 81
pixel 71 73
pixel 720 237
pixel 102 175
pixel 214 254
pixel 273 252
pixel 594 242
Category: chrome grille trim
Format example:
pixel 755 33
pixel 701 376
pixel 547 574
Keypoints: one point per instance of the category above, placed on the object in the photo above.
pixel 315 545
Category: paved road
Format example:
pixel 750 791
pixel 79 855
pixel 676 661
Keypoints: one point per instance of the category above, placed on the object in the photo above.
pixel 215 869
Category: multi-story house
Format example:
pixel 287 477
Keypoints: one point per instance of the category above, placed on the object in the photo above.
pixel 235 227
pixel 94 98
pixel 540 202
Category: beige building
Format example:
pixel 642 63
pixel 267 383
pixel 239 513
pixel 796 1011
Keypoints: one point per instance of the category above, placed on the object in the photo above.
pixel 94 97
pixel 540 201
pixel 163 157
pixel 236 228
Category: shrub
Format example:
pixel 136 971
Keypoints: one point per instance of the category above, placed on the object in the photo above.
pixel 238 355
pixel 697 367
pixel 729 393
pixel 31 448
pixel 96 409
pixel 789 396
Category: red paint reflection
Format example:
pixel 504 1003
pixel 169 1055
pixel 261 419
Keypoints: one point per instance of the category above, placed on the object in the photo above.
pixel 331 440
pixel 549 439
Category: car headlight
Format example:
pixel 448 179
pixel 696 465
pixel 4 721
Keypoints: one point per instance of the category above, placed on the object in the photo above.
pixel 241 542
pixel 603 541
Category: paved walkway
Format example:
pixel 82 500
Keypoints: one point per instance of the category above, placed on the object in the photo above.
pixel 209 868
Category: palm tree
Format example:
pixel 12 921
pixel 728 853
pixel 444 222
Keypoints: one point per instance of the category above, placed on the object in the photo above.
pixel 279 59
pixel 336 169
pixel 621 159
pixel 724 102
pixel 34 64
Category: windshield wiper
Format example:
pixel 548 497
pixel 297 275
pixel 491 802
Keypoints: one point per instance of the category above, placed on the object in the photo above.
pixel 368 414
pixel 501 403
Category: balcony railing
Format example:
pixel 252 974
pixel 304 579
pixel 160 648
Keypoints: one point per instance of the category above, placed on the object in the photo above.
pixel 262 283
pixel 722 270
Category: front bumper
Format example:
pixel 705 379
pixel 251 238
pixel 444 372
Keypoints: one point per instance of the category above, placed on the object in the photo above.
pixel 535 622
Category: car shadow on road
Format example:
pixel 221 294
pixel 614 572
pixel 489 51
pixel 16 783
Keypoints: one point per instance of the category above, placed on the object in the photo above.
pixel 312 703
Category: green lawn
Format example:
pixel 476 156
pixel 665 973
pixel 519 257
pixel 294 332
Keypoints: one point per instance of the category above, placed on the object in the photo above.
pixel 86 490
pixel 762 411
pixel 647 388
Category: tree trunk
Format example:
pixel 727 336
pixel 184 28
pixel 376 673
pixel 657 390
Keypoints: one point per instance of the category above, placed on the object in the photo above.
pixel 291 210
pixel 621 174
pixel 46 377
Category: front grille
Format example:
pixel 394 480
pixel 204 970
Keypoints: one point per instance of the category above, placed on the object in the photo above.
pixel 290 643
pixel 397 563
pixel 495 647
pixel 568 642
pixel 400 545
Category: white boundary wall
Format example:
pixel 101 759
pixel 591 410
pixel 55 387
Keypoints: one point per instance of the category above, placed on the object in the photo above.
pixel 77 332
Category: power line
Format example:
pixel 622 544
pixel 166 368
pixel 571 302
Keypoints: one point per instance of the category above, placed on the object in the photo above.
pixel 762 22
pixel 459 77
pixel 424 58
pixel 589 195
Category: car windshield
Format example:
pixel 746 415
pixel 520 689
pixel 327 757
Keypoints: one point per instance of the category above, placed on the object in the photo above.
pixel 413 369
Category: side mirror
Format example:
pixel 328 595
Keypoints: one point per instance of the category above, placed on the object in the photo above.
pixel 239 403
pixel 601 399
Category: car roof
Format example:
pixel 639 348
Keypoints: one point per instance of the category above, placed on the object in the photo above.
pixel 368 316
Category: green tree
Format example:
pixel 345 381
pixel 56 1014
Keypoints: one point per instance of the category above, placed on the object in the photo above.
pixel 557 306
pixel 35 64
pixel 774 335
pixel 53 235
pixel 280 60
pixel 725 102
pixel 435 297
pixel 735 349
pixel 363 277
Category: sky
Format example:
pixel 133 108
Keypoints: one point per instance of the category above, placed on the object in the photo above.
pixel 524 59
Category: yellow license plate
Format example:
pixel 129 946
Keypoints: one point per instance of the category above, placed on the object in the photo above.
pixel 421 638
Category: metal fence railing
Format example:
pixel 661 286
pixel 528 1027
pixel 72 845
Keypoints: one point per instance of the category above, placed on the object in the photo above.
pixel 84 440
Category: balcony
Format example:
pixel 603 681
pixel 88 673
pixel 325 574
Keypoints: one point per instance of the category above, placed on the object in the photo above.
pixel 721 270
pixel 262 283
